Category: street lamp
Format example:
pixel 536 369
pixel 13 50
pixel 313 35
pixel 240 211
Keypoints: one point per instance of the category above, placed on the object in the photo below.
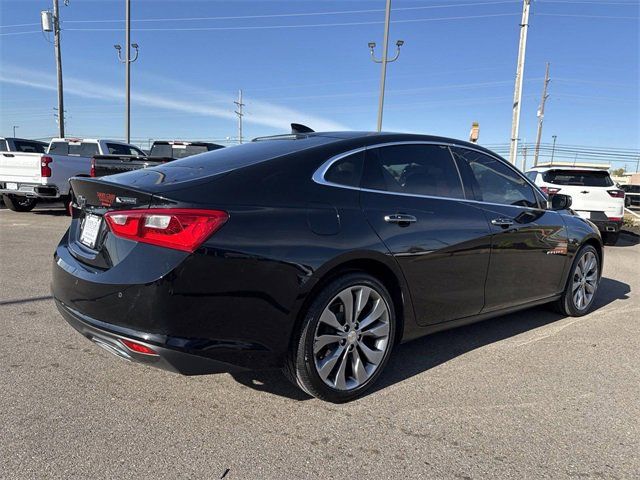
pixel 14 129
pixel 127 60
pixel 384 60
pixel 553 148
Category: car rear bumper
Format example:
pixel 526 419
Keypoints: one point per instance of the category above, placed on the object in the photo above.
pixel 608 225
pixel 32 190
pixel 173 354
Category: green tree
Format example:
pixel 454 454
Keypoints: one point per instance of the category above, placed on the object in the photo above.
pixel 617 172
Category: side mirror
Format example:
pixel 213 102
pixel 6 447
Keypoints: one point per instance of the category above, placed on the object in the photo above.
pixel 558 201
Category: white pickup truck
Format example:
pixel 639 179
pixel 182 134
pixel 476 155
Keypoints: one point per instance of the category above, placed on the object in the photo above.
pixel 27 177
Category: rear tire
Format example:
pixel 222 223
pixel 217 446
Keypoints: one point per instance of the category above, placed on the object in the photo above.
pixel 19 203
pixel 610 238
pixel 345 339
pixel 582 284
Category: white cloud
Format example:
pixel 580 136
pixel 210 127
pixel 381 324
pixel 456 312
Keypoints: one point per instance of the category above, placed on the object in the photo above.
pixel 258 112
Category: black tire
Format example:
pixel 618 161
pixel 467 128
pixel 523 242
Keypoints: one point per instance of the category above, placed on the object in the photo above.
pixel 19 203
pixel 610 238
pixel 566 305
pixel 301 367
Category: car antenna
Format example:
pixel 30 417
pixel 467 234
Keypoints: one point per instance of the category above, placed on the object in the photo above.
pixel 299 128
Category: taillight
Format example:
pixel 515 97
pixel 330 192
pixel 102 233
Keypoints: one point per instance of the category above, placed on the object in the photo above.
pixel 550 190
pixel 137 347
pixel 180 229
pixel 616 193
pixel 45 169
pixel 92 172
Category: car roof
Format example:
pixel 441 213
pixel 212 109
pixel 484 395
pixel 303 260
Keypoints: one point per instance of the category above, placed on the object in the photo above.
pixel 373 138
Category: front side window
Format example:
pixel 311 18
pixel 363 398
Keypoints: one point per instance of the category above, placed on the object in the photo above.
pixel 346 171
pixel 413 169
pixel 495 182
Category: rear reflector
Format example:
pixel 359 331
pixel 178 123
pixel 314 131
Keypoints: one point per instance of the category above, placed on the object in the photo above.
pixel 616 193
pixel 137 347
pixel 92 172
pixel 180 229
pixel 614 219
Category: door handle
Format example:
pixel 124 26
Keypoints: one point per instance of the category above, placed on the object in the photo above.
pixel 400 218
pixel 502 222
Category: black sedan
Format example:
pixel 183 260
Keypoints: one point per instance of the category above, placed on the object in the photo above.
pixel 316 253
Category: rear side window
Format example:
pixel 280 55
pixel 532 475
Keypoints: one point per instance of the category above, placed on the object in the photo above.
pixel 495 182
pixel 584 178
pixel 413 169
pixel 28 147
pixel 346 171
pixel 3 146
pixel 119 149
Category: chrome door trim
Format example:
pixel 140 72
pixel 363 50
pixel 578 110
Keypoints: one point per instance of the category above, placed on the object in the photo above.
pixel 318 176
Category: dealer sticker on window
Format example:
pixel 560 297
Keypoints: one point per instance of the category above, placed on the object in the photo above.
pixel 90 230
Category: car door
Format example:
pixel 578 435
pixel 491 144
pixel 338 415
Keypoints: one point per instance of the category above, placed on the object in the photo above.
pixel 413 198
pixel 528 242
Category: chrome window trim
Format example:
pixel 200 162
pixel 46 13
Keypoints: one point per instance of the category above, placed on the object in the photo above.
pixel 318 176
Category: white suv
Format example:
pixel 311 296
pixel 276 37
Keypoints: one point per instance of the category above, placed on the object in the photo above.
pixel 594 194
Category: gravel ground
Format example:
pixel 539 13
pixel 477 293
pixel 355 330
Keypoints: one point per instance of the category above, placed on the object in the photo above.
pixel 530 395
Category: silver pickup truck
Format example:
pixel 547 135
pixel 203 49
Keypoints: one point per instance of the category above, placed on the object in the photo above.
pixel 27 177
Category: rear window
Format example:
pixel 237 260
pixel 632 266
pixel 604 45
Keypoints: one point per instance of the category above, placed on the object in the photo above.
pixel 583 178
pixel 79 149
pixel 177 151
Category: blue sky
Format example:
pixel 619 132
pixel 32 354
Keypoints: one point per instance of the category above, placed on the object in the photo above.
pixel 315 68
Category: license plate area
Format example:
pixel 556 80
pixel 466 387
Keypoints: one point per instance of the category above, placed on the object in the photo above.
pixel 11 186
pixel 586 215
pixel 90 230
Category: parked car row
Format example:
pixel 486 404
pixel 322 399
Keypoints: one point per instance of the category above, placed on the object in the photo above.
pixel 31 171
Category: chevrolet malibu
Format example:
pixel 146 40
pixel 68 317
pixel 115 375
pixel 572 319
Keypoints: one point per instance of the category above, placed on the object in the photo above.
pixel 316 253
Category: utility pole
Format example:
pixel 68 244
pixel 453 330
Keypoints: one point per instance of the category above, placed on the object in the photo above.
pixel 541 115
pixel 127 62
pixel 517 94
pixel 56 46
pixel 384 60
pixel 238 112
pixel 553 148
pixel 524 156
pixel 14 129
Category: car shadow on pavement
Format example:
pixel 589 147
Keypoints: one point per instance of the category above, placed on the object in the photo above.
pixel 422 354
pixel 627 240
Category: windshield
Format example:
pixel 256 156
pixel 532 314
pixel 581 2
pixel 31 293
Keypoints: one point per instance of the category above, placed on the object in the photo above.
pixel 583 178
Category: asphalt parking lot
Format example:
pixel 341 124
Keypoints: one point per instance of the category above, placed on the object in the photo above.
pixel 529 395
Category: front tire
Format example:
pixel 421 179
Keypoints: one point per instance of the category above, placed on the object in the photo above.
pixel 19 203
pixel 345 339
pixel 582 283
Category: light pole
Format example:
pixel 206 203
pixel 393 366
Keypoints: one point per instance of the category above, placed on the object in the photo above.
pixel 127 61
pixel 14 129
pixel 384 60
pixel 553 148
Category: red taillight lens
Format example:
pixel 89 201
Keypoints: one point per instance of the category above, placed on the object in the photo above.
pixel 550 190
pixel 137 347
pixel 92 172
pixel 616 193
pixel 180 229
pixel 45 169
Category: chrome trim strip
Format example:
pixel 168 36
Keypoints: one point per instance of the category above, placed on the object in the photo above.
pixel 318 176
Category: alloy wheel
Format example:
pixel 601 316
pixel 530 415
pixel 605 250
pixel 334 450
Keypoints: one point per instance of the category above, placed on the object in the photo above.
pixel 585 280
pixel 351 338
